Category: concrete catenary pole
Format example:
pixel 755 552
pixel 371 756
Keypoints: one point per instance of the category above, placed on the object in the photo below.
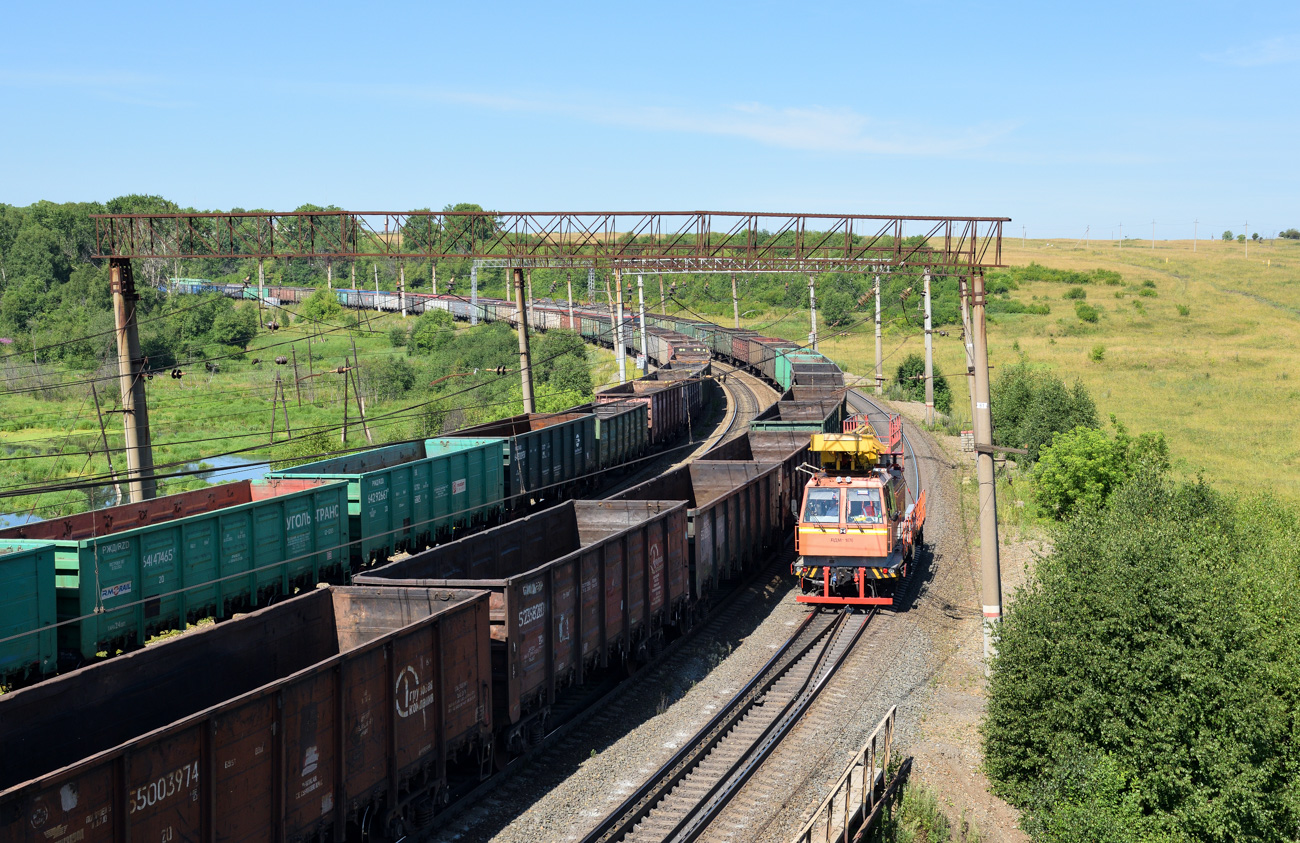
pixel 812 312
pixel 620 349
pixel 376 268
pixel 473 294
pixel 130 379
pixel 968 344
pixel 880 364
pixel 401 287
pixel 929 353
pixel 990 562
pixel 525 362
pixel 640 302
pixel 735 302
pixel 569 279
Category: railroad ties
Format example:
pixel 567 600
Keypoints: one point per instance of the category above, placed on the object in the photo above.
pixel 679 801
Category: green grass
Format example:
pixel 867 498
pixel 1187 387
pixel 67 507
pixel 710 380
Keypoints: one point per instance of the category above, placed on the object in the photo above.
pixel 1211 356
pixel 200 414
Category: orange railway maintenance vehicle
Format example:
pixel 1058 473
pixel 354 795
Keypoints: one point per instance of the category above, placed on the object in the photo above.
pixel 857 534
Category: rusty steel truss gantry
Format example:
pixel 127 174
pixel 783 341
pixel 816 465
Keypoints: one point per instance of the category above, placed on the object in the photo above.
pixel 706 241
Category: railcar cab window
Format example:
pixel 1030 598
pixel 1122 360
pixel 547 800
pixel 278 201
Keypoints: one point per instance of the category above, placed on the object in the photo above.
pixel 865 507
pixel 823 506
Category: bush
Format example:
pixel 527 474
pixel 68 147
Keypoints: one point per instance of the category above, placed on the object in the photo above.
pixel 1289 234
pixel 433 331
pixel 1082 467
pixel 397 336
pixel 1241 238
pixel 1030 406
pixel 1143 687
pixel 388 378
pixel 1098 353
pixel 321 306
pixel 1086 312
pixel 1227 236
pixel 911 381
pixel 1147 293
pixel 1075 293
pixel 1183 310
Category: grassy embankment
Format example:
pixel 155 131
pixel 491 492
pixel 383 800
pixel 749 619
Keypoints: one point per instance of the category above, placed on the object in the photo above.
pixel 1210 355
pixel 205 414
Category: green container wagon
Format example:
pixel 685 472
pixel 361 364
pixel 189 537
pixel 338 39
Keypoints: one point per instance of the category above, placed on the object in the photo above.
pixel 128 572
pixel 545 454
pixel 27 608
pixel 407 497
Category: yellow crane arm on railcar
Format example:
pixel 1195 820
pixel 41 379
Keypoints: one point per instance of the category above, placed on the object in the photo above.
pixel 847 451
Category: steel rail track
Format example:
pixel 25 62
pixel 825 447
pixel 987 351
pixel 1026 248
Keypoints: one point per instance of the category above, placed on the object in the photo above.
pixel 679 801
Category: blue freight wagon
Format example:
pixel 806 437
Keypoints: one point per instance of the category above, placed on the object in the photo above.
pixel 546 455
pixel 410 496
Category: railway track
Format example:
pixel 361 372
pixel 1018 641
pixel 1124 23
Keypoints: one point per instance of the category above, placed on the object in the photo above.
pixel 680 800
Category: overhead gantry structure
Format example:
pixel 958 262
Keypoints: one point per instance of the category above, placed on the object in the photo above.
pixel 646 242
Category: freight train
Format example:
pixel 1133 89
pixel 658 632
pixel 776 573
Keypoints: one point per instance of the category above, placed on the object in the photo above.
pixel 351 711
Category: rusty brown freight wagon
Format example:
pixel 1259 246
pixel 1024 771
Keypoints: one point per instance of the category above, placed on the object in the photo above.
pixel 574 587
pixel 337 711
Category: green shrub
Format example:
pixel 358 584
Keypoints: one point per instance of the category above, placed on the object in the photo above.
pixel 1183 310
pixel 910 378
pixel 1098 353
pixel 1075 293
pixel 1149 284
pixel 433 331
pixel 1144 682
pixel 1031 405
pixel 1086 312
pixel 1147 293
pixel 397 336
pixel 321 306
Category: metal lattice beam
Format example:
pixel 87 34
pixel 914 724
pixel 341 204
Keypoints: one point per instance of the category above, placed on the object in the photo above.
pixel 672 241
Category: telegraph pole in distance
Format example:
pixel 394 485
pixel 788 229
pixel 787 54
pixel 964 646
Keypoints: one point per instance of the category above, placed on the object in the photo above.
pixel 130 379
pixel 735 303
pixel 929 354
pixel 990 562
pixel 525 363
pixel 880 371
pixel 812 311
pixel 640 301
pixel 620 350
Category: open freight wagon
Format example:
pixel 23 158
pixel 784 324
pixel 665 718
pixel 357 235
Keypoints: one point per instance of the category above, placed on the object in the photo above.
pixel 733 517
pixel 574 588
pixel 545 455
pixel 408 496
pixel 28 610
pixel 128 572
pixel 332 715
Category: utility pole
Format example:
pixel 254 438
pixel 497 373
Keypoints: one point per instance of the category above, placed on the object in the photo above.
pixel 967 342
pixel 401 286
pixel 929 354
pixel 591 285
pixel 346 378
pixel 568 277
pixel 525 363
pixel 433 275
pixel 640 301
pixel 990 562
pixel 130 379
pixel 473 294
pixel 356 392
pixel 662 297
pixel 329 274
pixel 735 302
pixel 812 311
pixel 620 350
pixel 1121 235
pixel 354 275
pixel 261 280
pixel 880 371
pixel 297 385
pixel 375 266
pixel 532 314
pixel 1247 236
pixel 103 437
pixel 1087 242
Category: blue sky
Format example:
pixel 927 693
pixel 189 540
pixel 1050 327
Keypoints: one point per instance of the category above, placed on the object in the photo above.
pixel 1059 116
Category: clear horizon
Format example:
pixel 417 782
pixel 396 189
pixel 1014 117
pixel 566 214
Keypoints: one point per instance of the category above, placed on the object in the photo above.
pixel 1065 121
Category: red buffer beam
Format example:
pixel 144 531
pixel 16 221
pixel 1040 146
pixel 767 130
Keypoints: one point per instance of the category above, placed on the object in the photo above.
pixel 649 241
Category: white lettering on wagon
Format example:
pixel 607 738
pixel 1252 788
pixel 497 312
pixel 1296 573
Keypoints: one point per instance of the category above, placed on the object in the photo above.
pixel 377 497
pixel 115 590
pixel 532 613
pixel 297 521
pixel 161 557
pixel 327 513
pixel 411 695
pixel 165 787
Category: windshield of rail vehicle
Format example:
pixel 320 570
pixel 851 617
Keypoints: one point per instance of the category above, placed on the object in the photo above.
pixel 823 506
pixel 865 507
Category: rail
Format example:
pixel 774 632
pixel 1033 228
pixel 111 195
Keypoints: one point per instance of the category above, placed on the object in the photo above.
pixel 854 804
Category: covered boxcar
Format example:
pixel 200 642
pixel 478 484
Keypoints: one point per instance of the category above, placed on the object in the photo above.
pixel 335 715
pixel 406 497
pixel 574 587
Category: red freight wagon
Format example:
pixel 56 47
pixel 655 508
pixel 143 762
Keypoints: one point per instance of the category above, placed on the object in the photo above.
pixel 574 587
pixel 336 711
pixel 667 403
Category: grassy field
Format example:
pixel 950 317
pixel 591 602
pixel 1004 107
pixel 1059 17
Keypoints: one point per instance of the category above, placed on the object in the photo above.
pixel 53 434
pixel 1204 346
